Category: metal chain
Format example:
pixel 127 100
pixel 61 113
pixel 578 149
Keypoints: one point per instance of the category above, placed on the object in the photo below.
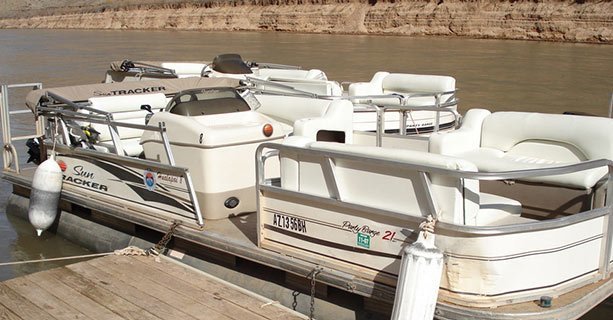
pixel 161 245
pixel 295 294
pixel 312 275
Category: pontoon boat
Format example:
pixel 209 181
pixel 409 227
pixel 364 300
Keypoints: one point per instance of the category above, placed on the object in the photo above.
pixel 286 182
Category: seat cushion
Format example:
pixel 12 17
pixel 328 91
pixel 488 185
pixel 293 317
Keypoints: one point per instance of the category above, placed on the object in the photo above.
pixel 131 147
pixel 494 160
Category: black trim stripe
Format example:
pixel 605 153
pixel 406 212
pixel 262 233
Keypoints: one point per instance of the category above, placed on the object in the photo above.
pixel 327 243
pixel 528 253
pixel 331 257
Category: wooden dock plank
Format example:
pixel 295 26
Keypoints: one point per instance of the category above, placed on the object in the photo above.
pixel 208 297
pixel 44 300
pixel 72 297
pixel 20 305
pixel 208 283
pixel 173 293
pixel 140 296
pixel 7 314
pixel 109 299
pixel 122 287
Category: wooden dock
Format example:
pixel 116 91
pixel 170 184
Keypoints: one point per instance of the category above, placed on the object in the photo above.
pixel 132 287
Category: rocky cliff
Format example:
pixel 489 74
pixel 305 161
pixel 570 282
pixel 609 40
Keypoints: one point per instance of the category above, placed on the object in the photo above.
pixel 550 20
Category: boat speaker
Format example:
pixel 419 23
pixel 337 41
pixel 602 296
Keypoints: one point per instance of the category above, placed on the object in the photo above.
pixel 231 202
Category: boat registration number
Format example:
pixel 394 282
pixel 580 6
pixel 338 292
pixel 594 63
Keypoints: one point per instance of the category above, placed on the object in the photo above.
pixel 289 223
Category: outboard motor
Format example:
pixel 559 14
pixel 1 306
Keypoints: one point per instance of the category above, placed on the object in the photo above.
pixel 230 63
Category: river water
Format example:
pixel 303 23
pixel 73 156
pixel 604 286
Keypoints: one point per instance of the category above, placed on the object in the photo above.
pixel 496 74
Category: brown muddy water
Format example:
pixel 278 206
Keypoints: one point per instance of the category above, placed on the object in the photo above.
pixel 495 74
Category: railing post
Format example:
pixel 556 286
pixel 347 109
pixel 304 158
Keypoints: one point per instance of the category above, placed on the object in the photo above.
pixel 114 135
pixel 171 158
pixel 193 198
pixel 437 119
pixel 5 136
pixel 380 125
pixel 403 122
pixel 607 243
pixel 611 106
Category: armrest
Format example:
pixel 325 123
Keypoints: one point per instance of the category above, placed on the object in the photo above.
pixel 467 137
pixel 338 117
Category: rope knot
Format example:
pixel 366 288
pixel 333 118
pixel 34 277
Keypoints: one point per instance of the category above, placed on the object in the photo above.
pixel 130 251
pixel 427 226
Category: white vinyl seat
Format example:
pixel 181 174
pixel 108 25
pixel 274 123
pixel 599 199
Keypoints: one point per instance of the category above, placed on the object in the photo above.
pixel 185 69
pixel 408 90
pixel 307 116
pixel 126 109
pixel 507 141
pixel 385 83
pixel 358 181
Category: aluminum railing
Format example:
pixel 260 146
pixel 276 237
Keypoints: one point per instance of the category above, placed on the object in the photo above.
pixel 404 110
pixel 268 150
pixel 402 107
pixel 107 119
pixel 9 152
pixel 611 106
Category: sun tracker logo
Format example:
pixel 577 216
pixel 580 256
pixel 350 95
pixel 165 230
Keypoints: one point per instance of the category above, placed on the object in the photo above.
pixel 149 179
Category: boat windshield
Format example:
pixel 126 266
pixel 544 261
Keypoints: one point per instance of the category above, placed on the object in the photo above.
pixel 198 102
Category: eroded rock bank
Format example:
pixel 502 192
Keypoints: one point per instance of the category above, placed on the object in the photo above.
pixel 550 20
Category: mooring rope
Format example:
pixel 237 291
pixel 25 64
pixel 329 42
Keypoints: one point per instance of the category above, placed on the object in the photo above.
pixel 128 251
pixel 427 226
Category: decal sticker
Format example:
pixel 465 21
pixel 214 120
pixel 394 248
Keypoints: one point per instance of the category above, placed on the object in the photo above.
pixel 169 178
pixel 363 240
pixel 289 223
pixel 81 177
pixel 389 235
pixel 149 179
pixel 130 91
pixel 356 228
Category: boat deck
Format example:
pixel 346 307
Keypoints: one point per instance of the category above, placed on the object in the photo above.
pixel 131 287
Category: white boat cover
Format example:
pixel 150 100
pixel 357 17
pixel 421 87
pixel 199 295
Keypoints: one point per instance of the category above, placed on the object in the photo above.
pixel 166 86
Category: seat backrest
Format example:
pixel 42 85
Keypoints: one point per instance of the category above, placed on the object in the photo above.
pixel 288 109
pixel 406 83
pixel 297 74
pixel 183 69
pixel 126 109
pixel 373 87
pixel 404 190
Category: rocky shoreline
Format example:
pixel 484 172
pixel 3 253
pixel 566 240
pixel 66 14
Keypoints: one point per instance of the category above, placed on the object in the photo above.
pixel 546 20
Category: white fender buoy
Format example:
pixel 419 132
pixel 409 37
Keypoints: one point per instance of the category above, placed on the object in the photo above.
pixel 45 195
pixel 418 280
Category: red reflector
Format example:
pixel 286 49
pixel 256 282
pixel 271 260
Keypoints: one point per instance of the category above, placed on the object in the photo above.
pixel 62 165
pixel 267 130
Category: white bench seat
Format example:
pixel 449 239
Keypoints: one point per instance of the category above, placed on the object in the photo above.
pixel 125 109
pixel 508 141
pixel 307 116
pixel 361 182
